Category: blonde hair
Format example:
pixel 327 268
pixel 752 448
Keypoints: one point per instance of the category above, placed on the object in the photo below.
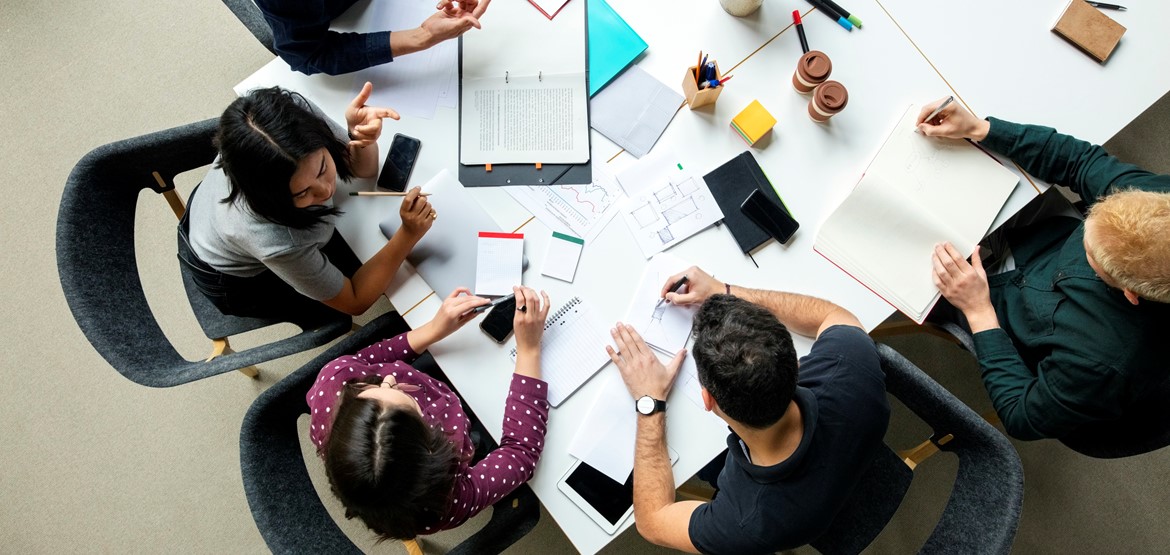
pixel 1130 241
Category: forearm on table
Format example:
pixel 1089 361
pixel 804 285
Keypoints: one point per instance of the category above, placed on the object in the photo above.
pixel 800 313
pixel 409 41
pixel 528 363
pixel 658 517
pixel 372 278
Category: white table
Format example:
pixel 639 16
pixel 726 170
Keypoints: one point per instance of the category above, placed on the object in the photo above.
pixel 813 167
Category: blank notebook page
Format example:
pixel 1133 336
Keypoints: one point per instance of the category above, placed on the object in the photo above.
pixel 572 349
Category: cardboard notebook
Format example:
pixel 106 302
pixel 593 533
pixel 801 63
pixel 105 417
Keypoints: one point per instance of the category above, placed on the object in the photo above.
pixel 1089 29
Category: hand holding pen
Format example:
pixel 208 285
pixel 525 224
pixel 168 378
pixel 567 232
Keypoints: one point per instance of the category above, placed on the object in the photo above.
pixel 945 118
pixel 700 285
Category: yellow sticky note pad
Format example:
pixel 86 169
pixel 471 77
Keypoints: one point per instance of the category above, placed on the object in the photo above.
pixel 753 122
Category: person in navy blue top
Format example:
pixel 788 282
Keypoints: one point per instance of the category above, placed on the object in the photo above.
pixel 802 432
pixel 301 35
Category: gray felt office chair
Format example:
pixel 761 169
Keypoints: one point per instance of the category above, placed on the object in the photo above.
pixel 248 14
pixel 985 503
pixel 98 266
pixel 286 507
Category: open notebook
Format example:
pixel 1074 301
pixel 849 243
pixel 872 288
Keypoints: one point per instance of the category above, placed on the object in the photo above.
pixel 918 191
pixel 571 350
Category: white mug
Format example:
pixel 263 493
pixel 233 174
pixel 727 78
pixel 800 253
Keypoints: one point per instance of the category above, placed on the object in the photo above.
pixel 740 8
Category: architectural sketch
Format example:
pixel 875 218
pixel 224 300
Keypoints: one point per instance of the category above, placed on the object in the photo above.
pixel 665 194
pixel 680 210
pixel 645 214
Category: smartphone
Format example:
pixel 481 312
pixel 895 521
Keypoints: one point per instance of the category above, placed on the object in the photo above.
pixel 399 163
pixel 498 322
pixel 773 219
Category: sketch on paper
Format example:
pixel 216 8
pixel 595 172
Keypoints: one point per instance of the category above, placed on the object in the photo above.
pixel 580 210
pixel 667 204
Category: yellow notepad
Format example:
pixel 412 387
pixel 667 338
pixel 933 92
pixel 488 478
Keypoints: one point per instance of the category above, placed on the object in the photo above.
pixel 753 122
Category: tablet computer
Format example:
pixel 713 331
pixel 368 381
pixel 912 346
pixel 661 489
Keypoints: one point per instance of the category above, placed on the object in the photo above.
pixel 606 501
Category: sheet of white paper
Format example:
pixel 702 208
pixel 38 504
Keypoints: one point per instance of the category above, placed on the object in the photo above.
pixel 550 7
pixel 580 210
pixel 634 110
pixel 665 326
pixel 666 204
pixel 412 83
pixel 605 440
pixel 571 350
pixel 524 119
pixel 562 256
pixel 498 263
pixel 687 383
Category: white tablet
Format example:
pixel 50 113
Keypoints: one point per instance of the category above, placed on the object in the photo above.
pixel 606 501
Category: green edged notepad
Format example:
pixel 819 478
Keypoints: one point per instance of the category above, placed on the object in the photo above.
pixel 560 261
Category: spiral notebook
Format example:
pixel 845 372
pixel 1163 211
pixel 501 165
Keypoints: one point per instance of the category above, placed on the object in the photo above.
pixel 572 349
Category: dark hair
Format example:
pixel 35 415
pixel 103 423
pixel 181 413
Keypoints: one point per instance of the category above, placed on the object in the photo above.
pixel 388 467
pixel 745 360
pixel 261 137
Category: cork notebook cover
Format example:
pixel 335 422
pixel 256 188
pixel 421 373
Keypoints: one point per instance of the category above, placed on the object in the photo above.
pixel 1089 29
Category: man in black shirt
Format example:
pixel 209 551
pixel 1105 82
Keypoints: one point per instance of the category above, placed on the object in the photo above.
pixel 799 440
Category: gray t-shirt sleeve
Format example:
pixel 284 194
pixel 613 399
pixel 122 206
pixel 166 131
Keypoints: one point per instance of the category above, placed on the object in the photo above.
pixel 307 270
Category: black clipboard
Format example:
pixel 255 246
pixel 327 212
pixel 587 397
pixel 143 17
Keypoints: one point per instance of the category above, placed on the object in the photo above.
pixel 503 175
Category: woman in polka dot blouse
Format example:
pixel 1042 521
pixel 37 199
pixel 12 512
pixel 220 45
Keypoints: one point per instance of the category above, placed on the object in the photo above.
pixel 396 443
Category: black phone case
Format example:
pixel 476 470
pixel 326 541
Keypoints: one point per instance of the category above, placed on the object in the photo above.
pixel 760 211
pixel 388 167
pixel 498 322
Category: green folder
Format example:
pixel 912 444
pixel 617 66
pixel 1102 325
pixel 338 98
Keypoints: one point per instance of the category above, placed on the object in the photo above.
pixel 612 44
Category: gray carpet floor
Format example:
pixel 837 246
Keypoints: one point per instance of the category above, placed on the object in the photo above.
pixel 94 463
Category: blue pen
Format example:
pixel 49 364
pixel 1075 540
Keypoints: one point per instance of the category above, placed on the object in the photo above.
pixel 710 72
pixel 829 11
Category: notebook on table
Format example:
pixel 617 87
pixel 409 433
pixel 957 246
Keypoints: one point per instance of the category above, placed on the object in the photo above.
pixel 731 184
pixel 1095 33
pixel 572 349
pixel 917 192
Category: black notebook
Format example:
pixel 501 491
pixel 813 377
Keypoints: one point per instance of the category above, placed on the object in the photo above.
pixel 731 184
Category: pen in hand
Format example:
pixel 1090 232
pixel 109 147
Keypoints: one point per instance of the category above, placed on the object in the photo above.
pixel 938 110
pixel 673 289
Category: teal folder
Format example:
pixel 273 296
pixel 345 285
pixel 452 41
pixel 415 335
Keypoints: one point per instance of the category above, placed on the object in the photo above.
pixel 612 44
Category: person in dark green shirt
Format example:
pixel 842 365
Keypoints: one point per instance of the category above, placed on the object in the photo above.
pixel 1079 330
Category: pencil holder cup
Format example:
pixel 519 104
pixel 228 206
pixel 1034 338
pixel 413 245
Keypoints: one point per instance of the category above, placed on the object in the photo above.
pixel 699 97
pixel 828 99
pixel 740 8
pixel 813 69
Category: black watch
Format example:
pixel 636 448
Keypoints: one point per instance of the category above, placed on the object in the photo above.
pixel 648 405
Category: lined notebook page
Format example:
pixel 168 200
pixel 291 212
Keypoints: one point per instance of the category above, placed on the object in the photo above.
pixel 572 349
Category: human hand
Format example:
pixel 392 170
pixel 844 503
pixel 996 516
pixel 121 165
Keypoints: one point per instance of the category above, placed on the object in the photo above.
pixel 699 286
pixel 964 285
pixel 953 122
pixel 456 311
pixel 643 373
pixel 450 20
pixel 528 324
pixel 417 214
pixel 365 122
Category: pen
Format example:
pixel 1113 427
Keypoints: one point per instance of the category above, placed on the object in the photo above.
pixel 840 19
pixel 856 21
pixel 496 301
pixel 725 79
pixel 382 194
pixel 800 31
pixel 710 84
pixel 936 111
pixel 1107 6
pixel 673 289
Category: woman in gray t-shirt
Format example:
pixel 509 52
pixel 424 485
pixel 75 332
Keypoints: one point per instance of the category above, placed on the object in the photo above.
pixel 259 235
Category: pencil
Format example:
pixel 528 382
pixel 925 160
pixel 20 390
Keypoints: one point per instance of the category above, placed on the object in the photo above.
pixel 382 194
pixel 698 63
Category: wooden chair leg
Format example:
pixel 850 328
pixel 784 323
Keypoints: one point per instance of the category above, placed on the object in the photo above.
pixel 695 490
pixel 172 196
pixel 222 347
pixel 917 455
pixel 412 547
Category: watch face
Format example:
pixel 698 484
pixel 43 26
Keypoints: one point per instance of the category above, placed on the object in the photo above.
pixel 645 404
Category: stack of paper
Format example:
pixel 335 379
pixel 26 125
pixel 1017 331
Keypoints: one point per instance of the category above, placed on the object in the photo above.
pixel 634 110
pixel 562 256
pixel 753 122
pixel 667 204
